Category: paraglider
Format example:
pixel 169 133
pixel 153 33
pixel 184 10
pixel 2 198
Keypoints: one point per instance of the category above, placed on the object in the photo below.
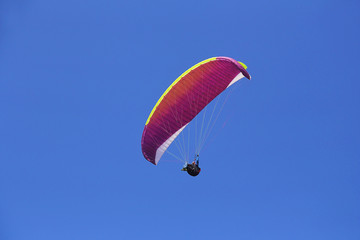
pixel 192 169
pixel 191 92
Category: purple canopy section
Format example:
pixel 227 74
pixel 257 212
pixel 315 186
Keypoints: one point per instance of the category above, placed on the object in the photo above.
pixel 184 99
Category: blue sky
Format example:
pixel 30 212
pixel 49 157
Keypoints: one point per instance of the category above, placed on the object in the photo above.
pixel 78 80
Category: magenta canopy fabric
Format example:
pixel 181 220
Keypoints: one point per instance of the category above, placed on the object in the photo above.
pixel 184 99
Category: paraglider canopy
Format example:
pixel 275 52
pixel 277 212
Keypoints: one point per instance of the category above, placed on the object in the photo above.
pixel 184 99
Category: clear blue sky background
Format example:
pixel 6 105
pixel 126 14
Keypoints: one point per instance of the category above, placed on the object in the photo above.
pixel 78 80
